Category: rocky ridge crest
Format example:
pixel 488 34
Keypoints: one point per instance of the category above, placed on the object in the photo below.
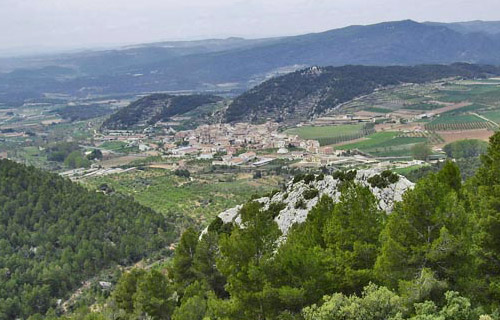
pixel 298 204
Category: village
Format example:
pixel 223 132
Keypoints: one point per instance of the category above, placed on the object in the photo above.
pixel 241 145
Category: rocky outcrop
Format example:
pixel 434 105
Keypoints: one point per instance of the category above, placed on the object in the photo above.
pixel 299 200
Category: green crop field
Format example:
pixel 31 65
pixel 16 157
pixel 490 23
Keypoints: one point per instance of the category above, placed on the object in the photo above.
pixel 457 119
pixel 487 94
pixel 371 141
pixel 458 122
pixel 328 135
pixel 118 146
pixel 423 106
pixel 314 133
pixel 386 144
pixel 471 108
pixel 377 110
pixel 493 115
pixel 200 198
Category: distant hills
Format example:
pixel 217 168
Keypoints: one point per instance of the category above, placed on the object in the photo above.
pixel 303 94
pixel 490 27
pixel 233 65
pixel 154 108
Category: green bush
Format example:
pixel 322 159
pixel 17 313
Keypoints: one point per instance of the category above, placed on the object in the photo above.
pixel 310 193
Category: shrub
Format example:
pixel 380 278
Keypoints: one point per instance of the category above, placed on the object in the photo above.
pixel 275 208
pixel 309 178
pixel 310 193
pixel 299 177
pixel 182 173
pixel 300 204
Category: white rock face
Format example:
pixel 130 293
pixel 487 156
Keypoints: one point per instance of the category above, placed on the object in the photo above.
pixel 328 186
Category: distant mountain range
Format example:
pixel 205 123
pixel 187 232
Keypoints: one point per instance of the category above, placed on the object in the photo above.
pixel 233 65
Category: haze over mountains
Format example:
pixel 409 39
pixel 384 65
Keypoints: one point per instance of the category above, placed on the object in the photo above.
pixel 235 64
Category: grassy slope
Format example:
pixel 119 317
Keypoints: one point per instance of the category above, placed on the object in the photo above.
pixel 201 199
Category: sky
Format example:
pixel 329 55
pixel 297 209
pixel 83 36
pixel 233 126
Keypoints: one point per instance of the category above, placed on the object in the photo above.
pixel 44 25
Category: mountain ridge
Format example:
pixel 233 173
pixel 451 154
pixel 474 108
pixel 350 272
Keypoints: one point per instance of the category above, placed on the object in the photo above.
pixel 156 107
pixel 300 95
pixel 205 66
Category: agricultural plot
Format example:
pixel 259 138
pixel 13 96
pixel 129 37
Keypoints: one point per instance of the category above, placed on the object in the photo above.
pixel 423 106
pixel 492 115
pixel 331 134
pixel 200 198
pixel 377 110
pixel 483 94
pixel 458 122
pixel 118 146
pixel 386 144
pixel 470 108
pixel 432 137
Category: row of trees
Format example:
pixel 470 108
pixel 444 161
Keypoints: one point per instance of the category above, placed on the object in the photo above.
pixel 434 257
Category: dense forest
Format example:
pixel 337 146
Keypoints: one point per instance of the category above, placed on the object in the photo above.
pixel 154 108
pixel 302 94
pixel 54 234
pixel 435 257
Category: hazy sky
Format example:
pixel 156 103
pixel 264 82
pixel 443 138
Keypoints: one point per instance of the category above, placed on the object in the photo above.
pixel 41 24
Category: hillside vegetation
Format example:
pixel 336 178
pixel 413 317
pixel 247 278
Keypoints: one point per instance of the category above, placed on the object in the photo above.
pixel 303 94
pixel 54 234
pixel 434 257
pixel 154 108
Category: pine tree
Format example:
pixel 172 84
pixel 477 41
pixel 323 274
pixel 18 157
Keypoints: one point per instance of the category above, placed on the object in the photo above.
pixel 182 270
pixel 484 199
pixel 351 234
pixel 427 230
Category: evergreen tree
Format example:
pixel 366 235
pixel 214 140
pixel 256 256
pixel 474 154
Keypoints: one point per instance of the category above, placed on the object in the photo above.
pixel 351 234
pixel 182 271
pixel 484 199
pixel 244 255
pixel 153 297
pixel 427 230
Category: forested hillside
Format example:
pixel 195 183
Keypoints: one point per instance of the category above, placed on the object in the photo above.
pixel 54 234
pixel 302 94
pixel 435 257
pixel 154 108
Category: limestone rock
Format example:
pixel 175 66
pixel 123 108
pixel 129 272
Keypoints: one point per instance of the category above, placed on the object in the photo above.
pixel 297 207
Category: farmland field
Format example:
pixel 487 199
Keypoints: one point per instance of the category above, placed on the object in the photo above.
pixel 470 108
pixel 493 115
pixel 456 119
pixel 377 110
pixel 458 122
pixel 118 146
pixel 487 94
pixel 451 136
pixel 423 106
pixel 386 144
pixel 330 134
pixel 200 198
pixel 325 132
